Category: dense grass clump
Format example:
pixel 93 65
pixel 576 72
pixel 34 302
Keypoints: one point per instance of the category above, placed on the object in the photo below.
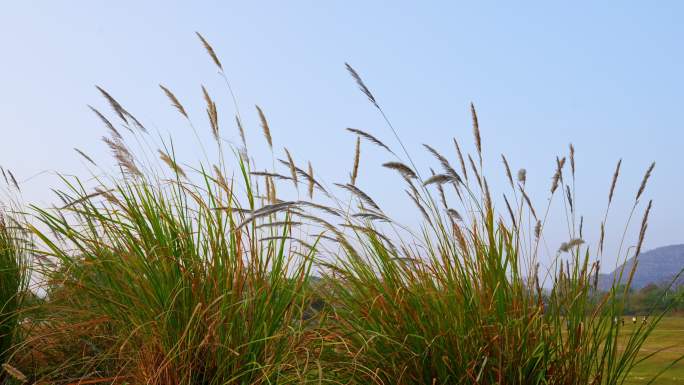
pixel 187 291
pixel 168 274
pixel 459 307
pixel 14 282
pixel 465 301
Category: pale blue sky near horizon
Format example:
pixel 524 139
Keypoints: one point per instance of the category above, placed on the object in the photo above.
pixel 606 76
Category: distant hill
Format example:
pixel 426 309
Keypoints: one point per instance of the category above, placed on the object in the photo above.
pixel 657 266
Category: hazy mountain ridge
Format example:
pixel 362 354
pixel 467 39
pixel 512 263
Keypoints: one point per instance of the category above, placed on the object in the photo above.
pixel 658 266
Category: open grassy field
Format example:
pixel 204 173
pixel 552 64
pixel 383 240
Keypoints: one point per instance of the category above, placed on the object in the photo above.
pixel 669 335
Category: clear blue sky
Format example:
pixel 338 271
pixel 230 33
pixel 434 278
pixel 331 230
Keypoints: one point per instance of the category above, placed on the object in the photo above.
pixel 607 76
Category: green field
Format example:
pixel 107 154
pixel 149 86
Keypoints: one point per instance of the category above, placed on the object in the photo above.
pixel 670 336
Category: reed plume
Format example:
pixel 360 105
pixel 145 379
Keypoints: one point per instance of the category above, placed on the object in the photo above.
pixel 171 163
pixel 123 156
pixel 210 51
pixel 644 226
pixel 522 175
pixel 86 157
pixel 13 179
pixel 461 159
pixel 474 168
pixel 508 171
pixel 264 126
pixel 401 168
pixel 174 101
pixel 306 175
pixel 212 114
pixel 614 181
pixel 571 244
pixel 115 133
pixel 557 174
pixel 454 214
pixel 241 130
pixel 114 104
pixel 271 175
pixel 444 162
pixel 362 85
pixel 476 131
pixel 439 179
pixel 126 116
pixel 312 181
pixel 360 194
pixel 572 159
pixel 510 211
pixel 527 200
pixel 642 187
pixel 420 207
pixel 291 166
pixel 357 157
pixel 370 138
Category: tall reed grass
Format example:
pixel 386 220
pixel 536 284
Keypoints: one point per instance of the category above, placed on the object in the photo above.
pixel 14 283
pixel 189 293
pixel 465 301
pixel 170 274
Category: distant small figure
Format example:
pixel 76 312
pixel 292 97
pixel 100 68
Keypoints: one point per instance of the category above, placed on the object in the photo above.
pixel 634 320
pixel 623 321
pixel 643 320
